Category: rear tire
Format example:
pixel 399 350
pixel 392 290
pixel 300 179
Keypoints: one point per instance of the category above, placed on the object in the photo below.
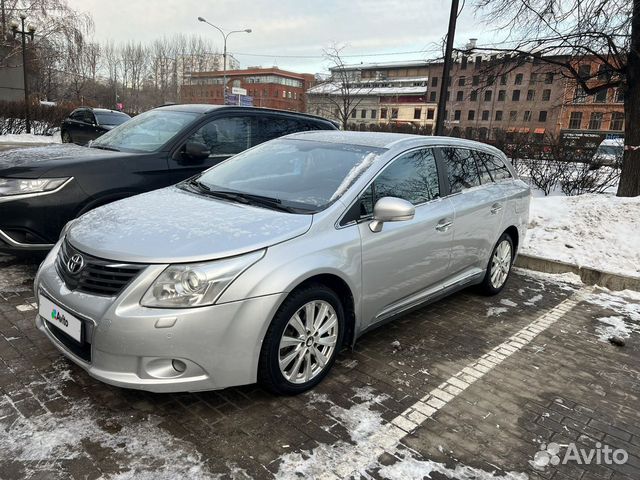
pixel 66 137
pixel 302 341
pixel 499 267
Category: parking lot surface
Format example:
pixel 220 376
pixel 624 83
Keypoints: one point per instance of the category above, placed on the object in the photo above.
pixel 469 387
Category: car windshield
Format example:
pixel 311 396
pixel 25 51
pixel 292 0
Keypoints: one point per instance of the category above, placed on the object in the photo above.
pixel 145 133
pixel 110 118
pixel 299 174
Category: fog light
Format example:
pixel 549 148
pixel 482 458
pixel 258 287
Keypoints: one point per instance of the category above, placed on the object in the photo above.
pixel 178 365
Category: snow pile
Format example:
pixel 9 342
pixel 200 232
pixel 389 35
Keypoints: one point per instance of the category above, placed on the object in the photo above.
pixel 626 319
pixel 29 138
pixel 595 231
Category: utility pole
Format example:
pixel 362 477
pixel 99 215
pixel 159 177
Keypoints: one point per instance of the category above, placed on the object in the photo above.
pixel 25 33
pixel 448 53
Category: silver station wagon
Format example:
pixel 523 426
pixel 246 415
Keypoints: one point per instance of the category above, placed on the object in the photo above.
pixel 264 266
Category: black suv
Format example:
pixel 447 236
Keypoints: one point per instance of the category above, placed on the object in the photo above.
pixel 86 124
pixel 42 188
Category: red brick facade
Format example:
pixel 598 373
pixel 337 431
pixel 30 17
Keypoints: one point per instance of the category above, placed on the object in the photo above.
pixel 269 87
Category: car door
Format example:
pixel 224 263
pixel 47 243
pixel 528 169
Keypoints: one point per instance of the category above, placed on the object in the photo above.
pixel 408 257
pixel 225 136
pixel 478 209
pixel 74 125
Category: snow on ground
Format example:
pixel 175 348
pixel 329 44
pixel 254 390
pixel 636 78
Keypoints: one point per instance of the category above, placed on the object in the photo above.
pixel 626 320
pixel 595 231
pixel 29 138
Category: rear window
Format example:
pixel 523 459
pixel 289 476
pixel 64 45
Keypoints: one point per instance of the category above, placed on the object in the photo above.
pixel 111 118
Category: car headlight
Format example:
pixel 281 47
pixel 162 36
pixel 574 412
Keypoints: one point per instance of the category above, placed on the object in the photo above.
pixel 19 186
pixel 196 284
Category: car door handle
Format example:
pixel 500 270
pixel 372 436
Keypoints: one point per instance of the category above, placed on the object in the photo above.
pixel 443 226
pixel 495 208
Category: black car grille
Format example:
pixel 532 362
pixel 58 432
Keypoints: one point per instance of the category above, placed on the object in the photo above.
pixel 82 350
pixel 96 276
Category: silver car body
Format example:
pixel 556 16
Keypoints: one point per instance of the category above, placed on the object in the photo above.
pixel 445 247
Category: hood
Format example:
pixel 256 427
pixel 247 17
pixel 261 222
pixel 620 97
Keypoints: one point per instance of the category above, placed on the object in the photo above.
pixel 172 225
pixel 33 162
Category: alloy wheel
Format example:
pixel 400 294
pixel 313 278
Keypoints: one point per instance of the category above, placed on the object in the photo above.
pixel 308 341
pixel 501 264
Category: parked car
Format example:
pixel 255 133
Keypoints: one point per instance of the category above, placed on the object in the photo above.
pixel 264 266
pixel 609 152
pixel 43 188
pixel 86 124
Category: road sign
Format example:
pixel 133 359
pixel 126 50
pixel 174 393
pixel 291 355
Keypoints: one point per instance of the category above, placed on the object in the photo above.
pixel 238 91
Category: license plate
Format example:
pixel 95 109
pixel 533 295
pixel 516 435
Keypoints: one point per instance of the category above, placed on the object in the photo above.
pixel 60 318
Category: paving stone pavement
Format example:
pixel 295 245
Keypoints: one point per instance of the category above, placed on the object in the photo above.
pixel 469 387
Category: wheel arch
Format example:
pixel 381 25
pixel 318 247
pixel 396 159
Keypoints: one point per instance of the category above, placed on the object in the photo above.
pixel 512 231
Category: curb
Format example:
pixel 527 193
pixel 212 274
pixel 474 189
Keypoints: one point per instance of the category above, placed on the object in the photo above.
pixel 589 276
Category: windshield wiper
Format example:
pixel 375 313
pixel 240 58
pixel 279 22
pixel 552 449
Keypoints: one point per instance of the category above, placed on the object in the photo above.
pixel 248 198
pixel 103 147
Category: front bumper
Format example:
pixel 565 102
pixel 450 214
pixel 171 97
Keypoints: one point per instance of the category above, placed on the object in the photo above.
pixel 135 347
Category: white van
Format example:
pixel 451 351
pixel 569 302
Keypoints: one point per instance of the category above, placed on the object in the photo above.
pixel 609 152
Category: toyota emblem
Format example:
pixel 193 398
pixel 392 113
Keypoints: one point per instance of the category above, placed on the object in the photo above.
pixel 75 264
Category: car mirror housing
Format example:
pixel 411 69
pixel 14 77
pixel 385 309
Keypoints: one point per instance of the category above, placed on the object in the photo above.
pixel 196 151
pixel 391 209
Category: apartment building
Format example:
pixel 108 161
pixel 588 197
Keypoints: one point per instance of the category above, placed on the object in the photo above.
pixel 379 93
pixel 267 87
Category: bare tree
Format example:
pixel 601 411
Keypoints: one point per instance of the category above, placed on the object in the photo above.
pixel 568 33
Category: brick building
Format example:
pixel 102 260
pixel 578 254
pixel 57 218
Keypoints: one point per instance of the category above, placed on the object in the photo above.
pixel 269 87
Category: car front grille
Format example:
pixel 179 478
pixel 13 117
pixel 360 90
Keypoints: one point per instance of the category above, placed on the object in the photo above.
pixel 94 275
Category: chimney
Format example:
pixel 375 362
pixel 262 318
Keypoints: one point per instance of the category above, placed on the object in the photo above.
pixel 472 43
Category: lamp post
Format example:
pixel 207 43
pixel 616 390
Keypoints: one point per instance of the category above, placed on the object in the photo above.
pixel 224 55
pixel 29 32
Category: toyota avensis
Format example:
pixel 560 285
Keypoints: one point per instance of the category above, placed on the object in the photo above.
pixel 264 266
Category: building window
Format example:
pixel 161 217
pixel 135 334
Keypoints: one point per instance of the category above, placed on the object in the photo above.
pixel 584 71
pixel 515 96
pixel 430 113
pixel 579 95
pixel 457 114
pixel 353 113
pixel 363 113
pixel 463 63
pixel 474 95
pixel 617 121
pixel 503 79
pixel 383 113
pixel 548 78
pixel 487 95
pixel 533 79
pixel 601 96
pixel 447 96
pixel 546 95
pixel 531 95
pixel 461 81
pixel 498 115
pixel 491 80
pixel 434 81
pixel 475 81
pixel 518 80
pixel 575 120
pixel 513 115
pixel 459 96
pixel 542 116
pixel 471 115
pixel 595 121
pixel 432 96
pixel 485 115
pixel 374 113
pixel 527 116
pixel 502 95
pixel 417 113
pixel 394 113
pixel 619 97
pixel 449 82
pixel 478 62
pixel 284 94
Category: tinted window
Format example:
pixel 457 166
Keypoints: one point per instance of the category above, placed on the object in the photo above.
pixel 87 117
pixel 225 136
pixel 109 118
pixel 493 165
pixel 461 169
pixel 78 115
pixel 270 127
pixel 412 177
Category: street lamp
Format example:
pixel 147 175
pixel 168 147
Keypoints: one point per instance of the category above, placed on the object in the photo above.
pixel 29 32
pixel 224 55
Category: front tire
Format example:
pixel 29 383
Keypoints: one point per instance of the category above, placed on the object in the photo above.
pixel 302 341
pixel 66 137
pixel 499 267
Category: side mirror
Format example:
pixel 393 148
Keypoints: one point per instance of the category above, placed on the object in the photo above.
pixel 196 151
pixel 391 209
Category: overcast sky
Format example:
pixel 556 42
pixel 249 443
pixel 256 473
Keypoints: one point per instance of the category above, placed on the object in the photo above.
pixel 290 27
